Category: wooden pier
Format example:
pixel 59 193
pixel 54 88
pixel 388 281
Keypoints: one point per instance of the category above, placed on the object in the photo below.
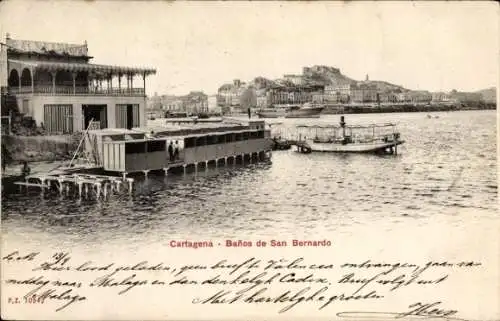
pixel 85 184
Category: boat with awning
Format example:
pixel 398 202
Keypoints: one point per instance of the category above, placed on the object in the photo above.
pixel 343 138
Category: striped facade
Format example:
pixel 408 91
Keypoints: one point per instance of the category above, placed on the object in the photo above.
pixel 58 118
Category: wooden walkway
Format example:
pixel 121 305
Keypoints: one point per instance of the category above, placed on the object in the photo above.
pixel 85 184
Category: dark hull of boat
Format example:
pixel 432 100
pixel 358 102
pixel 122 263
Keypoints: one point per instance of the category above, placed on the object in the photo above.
pixel 305 113
pixel 384 148
pixel 303 116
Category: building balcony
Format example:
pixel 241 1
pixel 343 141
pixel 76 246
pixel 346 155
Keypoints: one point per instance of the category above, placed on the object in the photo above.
pixel 76 91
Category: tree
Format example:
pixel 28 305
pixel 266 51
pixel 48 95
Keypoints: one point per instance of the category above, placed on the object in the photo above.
pixel 248 98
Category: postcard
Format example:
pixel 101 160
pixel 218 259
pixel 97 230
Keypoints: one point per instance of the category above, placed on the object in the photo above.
pixel 249 160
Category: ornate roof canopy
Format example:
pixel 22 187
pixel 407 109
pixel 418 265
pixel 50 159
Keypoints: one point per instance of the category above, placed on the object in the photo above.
pixel 76 67
pixel 47 48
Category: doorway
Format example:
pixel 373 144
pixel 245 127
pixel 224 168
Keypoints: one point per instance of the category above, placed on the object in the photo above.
pixel 127 116
pixel 97 113
pixel 130 117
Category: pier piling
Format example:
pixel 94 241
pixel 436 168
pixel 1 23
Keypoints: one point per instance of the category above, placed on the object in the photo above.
pixel 130 182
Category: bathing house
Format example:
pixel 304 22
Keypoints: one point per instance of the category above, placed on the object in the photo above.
pixel 143 149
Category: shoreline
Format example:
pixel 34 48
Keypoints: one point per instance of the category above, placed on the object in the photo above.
pixel 358 109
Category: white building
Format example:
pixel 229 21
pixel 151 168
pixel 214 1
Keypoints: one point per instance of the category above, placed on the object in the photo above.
pixel 58 87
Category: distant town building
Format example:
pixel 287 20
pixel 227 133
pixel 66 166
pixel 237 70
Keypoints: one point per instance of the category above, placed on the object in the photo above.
pixel 339 93
pixel 404 97
pixel 212 104
pixel 325 85
pixel 441 97
pixel 229 94
pixel 195 102
pixel 420 96
pixel 318 98
pixel 364 93
pixel 297 80
pixel 388 97
pixel 154 102
pixel 262 98
pixel 283 95
pixel 172 104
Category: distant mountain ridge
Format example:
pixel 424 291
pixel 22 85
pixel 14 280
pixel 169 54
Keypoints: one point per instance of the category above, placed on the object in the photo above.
pixel 489 95
pixel 319 76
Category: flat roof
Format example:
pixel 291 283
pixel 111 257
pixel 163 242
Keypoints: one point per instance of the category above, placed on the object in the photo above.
pixel 160 127
pixel 164 138
pixel 116 131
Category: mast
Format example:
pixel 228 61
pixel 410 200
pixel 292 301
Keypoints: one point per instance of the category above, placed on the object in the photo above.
pixel 342 124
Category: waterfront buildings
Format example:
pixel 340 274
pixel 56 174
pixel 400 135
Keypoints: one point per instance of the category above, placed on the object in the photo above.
pixel 296 80
pixel 193 103
pixel 364 92
pixel 212 104
pixel 326 85
pixel 228 95
pixel 172 104
pixel 441 97
pixel 61 90
pixel 262 98
pixel 339 93
pixel 420 96
pixel 388 97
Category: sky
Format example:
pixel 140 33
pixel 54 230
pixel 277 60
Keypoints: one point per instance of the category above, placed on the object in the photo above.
pixel 436 46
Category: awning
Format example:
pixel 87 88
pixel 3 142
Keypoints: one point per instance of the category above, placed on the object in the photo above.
pixel 75 66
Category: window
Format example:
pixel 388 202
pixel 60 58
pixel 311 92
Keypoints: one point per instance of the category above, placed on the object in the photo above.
pixel 135 148
pixel 190 142
pixel 221 139
pixel 156 146
pixel 210 140
pixel 201 141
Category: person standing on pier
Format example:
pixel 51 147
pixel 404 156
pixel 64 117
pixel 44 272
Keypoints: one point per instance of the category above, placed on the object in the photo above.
pixel 171 151
pixel 176 150
pixel 249 113
pixel 26 169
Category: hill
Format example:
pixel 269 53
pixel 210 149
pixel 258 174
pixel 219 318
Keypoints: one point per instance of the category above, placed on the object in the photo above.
pixel 325 75
pixel 384 86
pixel 489 95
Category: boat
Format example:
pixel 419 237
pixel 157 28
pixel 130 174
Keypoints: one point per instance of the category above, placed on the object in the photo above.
pixel 306 111
pixel 292 111
pixel 176 114
pixel 272 112
pixel 281 144
pixel 343 138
